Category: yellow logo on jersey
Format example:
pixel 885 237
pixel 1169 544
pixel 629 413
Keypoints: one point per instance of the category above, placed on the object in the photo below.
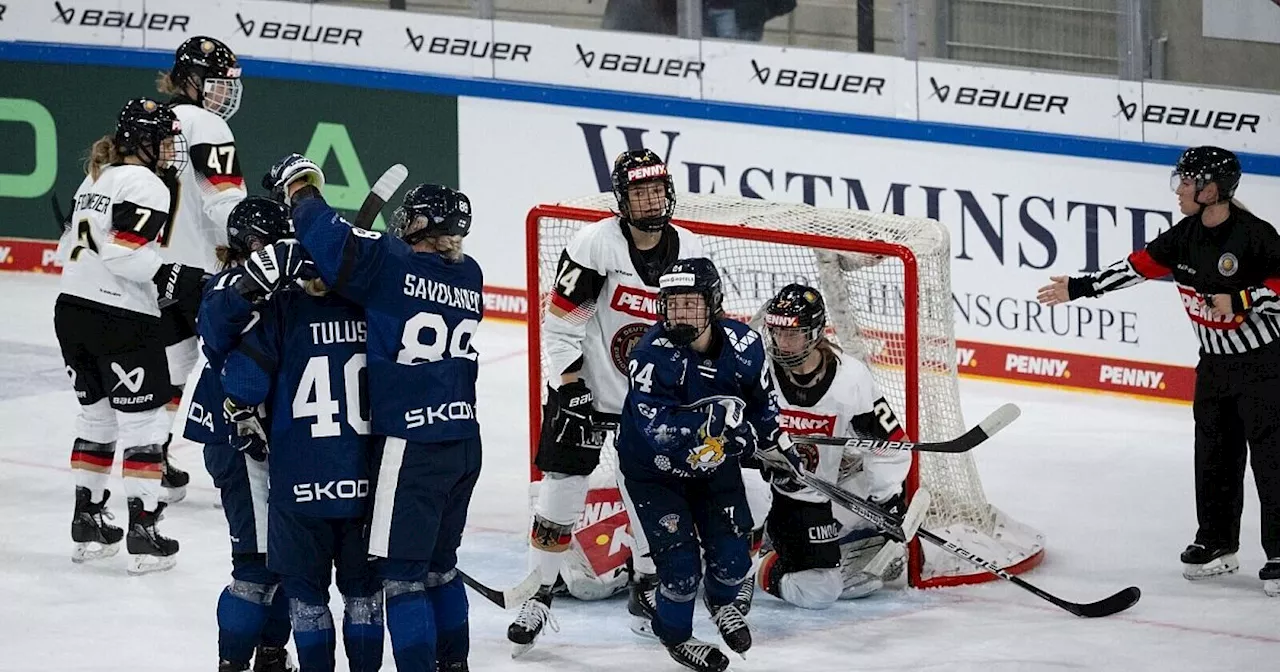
pixel 708 456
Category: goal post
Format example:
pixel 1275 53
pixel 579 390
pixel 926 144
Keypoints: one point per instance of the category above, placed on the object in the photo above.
pixel 886 280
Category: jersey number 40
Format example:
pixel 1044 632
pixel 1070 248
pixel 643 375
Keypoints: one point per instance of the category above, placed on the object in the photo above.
pixel 314 398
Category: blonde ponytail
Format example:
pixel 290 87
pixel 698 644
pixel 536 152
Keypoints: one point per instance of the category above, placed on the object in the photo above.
pixel 103 153
pixel 166 85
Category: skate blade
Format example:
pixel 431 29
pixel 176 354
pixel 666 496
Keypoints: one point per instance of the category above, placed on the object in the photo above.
pixel 149 564
pixel 1227 564
pixel 643 627
pixel 518 650
pixel 87 551
pixel 173 495
pixel 1271 587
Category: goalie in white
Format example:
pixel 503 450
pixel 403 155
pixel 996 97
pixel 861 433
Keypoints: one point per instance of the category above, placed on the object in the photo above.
pixel 819 555
pixel 603 301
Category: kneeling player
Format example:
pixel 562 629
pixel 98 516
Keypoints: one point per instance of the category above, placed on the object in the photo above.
pixel 307 358
pixel 700 395
pixel 815 559
pixel 251 613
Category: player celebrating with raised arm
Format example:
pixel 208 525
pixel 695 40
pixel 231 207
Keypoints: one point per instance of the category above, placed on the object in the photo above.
pixel 600 306
pixel 107 320
pixel 251 612
pixel 700 397
pixel 305 358
pixel 815 559
pixel 1226 263
pixel 204 88
pixel 422 300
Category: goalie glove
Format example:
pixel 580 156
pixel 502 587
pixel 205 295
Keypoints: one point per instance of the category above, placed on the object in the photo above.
pixel 244 429
pixel 288 170
pixel 573 424
pixel 271 267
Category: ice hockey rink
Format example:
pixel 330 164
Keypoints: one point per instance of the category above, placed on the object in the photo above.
pixel 1107 479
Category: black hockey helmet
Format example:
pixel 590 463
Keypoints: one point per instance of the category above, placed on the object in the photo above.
pixel 1204 165
pixel 699 276
pixel 255 223
pixel 795 308
pixel 447 213
pixel 141 131
pixel 214 69
pixel 638 166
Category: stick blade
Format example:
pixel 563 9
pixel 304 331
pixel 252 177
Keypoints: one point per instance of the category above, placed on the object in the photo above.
pixel 999 419
pixel 1106 606
pixel 523 591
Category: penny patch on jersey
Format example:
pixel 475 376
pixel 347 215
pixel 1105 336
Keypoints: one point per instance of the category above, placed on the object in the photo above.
pixel 624 340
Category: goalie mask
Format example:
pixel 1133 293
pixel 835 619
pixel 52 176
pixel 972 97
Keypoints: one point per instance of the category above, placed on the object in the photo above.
pixel 435 210
pixel 689 299
pixel 645 192
pixel 150 131
pixel 794 321
pixel 255 223
pixel 213 69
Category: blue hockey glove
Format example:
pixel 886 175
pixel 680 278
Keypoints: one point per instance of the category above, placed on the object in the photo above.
pixel 288 170
pixel 725 424
pixel 244 429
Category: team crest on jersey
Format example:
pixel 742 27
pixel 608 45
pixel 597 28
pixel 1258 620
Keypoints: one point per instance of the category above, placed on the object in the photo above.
pixel 707 456
pixel 670 521
pixel 1228 264
pixel 624 340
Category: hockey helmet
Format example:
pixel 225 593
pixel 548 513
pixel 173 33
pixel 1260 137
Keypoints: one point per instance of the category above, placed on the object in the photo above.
pixel 213 69
pixel 255 223
pixel 1205 165
pixel 142 130
pixel 689 276
pixel 796 308
pixel 447 212
pixel 643 211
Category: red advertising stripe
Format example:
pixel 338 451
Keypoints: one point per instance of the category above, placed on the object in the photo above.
pixel 26 254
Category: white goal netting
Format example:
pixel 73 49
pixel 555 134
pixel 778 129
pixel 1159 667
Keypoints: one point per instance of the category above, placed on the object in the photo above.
pixel 886 280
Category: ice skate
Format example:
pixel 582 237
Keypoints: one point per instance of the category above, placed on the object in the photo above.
pixel 732 626
pixel 1200 562
pixel 95 539
pixel 643 604
pixel 272 659
pixel 535 614
pixel 698 655
pixel 173 481
pixel 149 551
pixel 1270 575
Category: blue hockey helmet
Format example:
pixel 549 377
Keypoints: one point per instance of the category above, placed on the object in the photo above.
pixel 255 223
pixel 697 276
pixel 446 212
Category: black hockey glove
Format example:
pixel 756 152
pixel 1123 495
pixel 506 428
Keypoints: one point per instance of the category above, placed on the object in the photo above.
pixel 726 424
pixel 183 285
pixel 572 426
pixel 272 267
pixel 896 505
pixel 244 429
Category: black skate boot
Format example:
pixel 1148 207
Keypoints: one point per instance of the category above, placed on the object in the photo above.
pixel 452 666
pixel 534 614
pixel 1203 562
pixel 732 626
pixel 1270 575
pixel 698 655
pixel 643 604
pixel 228 666
pixel 272 659
pixel 149 551
pixel 746 595
pixel 172 479
pixel 95 539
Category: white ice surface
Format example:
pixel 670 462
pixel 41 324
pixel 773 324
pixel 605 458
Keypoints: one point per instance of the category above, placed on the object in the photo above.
pixel 1109 480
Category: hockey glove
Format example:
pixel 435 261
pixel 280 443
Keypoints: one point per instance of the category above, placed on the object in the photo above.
pixel 572 426
pixel 725 423
pixel 244 429
pixel 184 285
pixel 288 170
pixel 778 453
pixel 271 267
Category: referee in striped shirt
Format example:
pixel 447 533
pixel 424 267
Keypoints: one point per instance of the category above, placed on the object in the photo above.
pixel 1226 263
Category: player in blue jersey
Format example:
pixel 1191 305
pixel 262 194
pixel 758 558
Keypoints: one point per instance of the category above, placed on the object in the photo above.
pixel 306 360
pixel 250 613
pixel 700 400
pixel 422 300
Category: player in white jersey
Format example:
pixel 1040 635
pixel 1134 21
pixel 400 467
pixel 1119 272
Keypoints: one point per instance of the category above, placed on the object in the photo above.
pixel 107 320
pixel 204 88
pixel 819 555
pixel 603 301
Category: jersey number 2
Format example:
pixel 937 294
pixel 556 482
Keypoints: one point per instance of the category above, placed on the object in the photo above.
pixel 314 398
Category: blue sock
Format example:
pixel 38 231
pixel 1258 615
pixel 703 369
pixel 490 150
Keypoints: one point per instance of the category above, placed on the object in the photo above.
pixel 240 622
pixel 275 632
pixel 674 623
pixel 362 633
pixel 313 635
pixel 720 594
pixel 411 622
pixel 453 636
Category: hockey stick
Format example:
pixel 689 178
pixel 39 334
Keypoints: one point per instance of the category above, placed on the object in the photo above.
pixel 63 219
pixel 505 598
pixel 998 420
pixel 891 525
pixel 382 191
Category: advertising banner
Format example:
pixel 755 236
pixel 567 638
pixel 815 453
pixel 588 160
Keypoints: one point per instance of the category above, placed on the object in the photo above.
pixel 50 115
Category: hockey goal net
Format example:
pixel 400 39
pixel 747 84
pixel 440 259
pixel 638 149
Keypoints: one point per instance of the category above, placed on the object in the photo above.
pixel 886 280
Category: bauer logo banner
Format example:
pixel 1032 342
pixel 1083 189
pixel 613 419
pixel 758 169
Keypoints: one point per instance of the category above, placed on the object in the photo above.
pixel 1184 115
pixel 847 82
pixel 604 60
pixel 454 46
pixel 1023 100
